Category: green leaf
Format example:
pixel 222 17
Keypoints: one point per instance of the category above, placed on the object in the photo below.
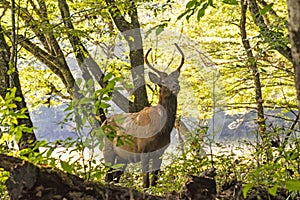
pixel 120 142
pixel 12 106
pixel 104 105
pixel 18 135
pixel 18 99
pixel 25 151
pixel 22 116
pixel 107 77
pixel 70 107
pixel 66 166
pixel 96 175
pixel 183 14
pixel 247 187
pixel 159 30
pixel 79 81
pixel 39 144
pixel 14 120
pixel 131 38
pixel 273 190
pixel 10 95
pixel 201 12
pixel 90 83
pixel 190 4
pixel 84 100
pixel 107 164
pixel 189 15
pixel 266 9
pixel 231 2
pixel 293 185
pixel 49 152
pixel 11 70
pixel 117 166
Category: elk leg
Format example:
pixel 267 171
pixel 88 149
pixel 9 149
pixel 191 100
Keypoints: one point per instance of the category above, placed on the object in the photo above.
pixel 145 169
pixel 109 157
pixel 156 168
pixel 118 173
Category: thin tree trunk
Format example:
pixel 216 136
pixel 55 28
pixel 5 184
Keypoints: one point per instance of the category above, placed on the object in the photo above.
pixel 251 61
pixel 9 60
pixel 4 64
pixel 28 139
pixel 294 33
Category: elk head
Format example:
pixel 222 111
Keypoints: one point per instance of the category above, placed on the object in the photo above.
pixel 168 83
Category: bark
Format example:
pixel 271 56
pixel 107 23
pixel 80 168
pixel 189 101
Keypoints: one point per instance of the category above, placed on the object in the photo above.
pixel 264 30
pixel 4 64
pixel 132 34
pixel 8 59
pixel 252 63
pixel 294 33
pixel 28 181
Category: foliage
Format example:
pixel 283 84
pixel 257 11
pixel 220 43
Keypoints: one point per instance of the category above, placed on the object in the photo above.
pixel 11 130
pixel 83 111
pixel 195 6
pixel 3 177
pixel 273 163
pixel 42 87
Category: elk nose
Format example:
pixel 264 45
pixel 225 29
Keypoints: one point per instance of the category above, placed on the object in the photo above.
pixel 175 89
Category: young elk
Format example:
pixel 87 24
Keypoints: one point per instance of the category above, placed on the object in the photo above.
pixel 149 130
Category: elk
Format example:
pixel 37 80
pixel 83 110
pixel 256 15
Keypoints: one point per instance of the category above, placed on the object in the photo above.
pixel 149 130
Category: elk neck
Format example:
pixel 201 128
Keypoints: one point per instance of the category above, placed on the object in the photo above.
pixel 170 104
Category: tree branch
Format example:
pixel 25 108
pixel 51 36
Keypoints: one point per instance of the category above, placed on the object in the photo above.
pixel 51 62
pixel 116 14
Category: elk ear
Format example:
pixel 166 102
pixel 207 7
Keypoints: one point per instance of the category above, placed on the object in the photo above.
pixel 154 78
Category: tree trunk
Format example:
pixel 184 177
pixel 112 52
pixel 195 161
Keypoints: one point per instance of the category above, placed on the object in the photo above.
pixel 294 33
pixel 132 34
pixel 9 81
pixel 252 63
pixel 4 64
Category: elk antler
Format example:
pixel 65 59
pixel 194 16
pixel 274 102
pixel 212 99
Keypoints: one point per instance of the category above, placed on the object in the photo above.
pixel 182 57
pixel 149 65
pixel 157 71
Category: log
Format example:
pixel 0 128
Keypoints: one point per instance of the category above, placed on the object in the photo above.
pixel 28 181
